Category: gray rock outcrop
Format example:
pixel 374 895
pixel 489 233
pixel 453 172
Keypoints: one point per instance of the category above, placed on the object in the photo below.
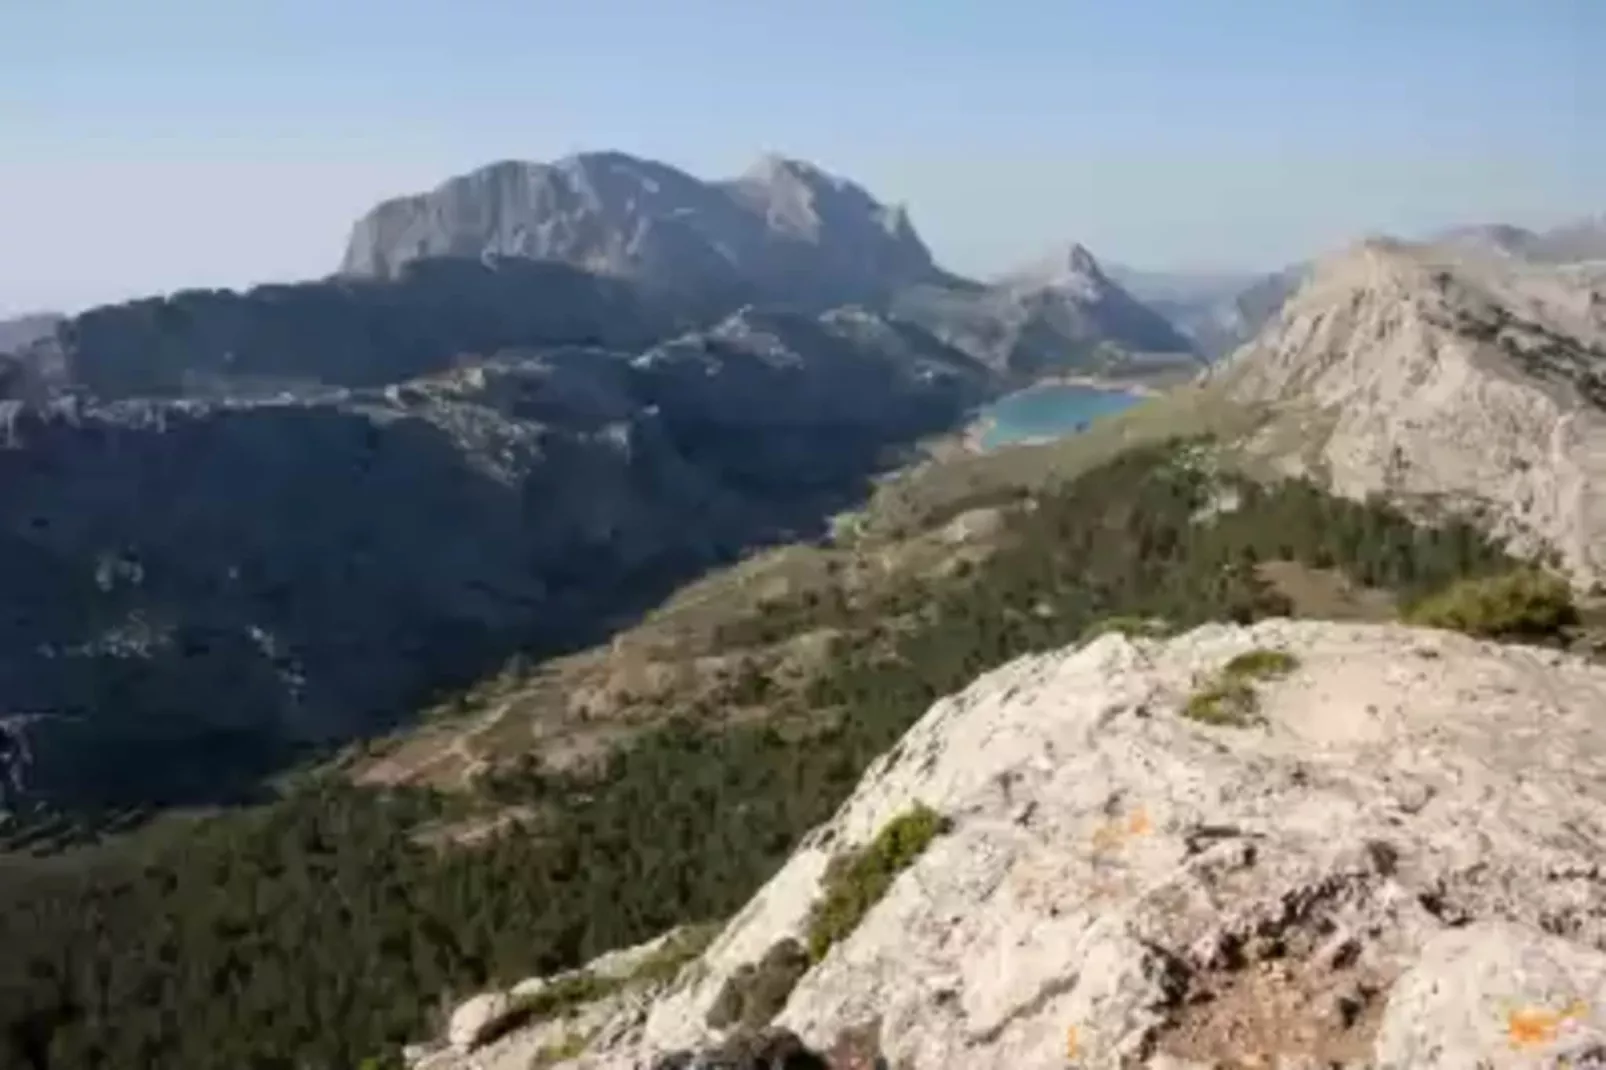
pixel 475 1020
pixel 1475 384
pixel 1398 864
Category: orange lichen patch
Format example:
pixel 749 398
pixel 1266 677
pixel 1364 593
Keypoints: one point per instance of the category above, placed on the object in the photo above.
pixel 1073 1043
pixel 1530 1027
pixel 1117 831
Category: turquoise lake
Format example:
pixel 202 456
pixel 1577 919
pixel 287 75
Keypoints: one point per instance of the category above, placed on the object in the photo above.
pixel 1049 411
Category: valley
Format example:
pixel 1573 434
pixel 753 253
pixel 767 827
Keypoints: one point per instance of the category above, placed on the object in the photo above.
pixel 718 778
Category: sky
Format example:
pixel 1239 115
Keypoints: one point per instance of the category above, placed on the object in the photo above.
pixel 160 144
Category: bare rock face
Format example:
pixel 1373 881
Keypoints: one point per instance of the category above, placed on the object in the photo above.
pixel 1455 381
pixel 476 1019
pixel 784 228
pixel 1397 862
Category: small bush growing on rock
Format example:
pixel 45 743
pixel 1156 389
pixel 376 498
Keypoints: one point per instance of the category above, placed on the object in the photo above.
pixel 1230 698
pixel 755 993
pixel 1261 665
pixel 1229 701
pixel 855 882
pixel 1526 603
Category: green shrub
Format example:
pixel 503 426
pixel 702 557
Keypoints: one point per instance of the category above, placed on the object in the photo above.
pixel 855 882
pixel 1525 603
pixel 1260 665
pixel 1229 701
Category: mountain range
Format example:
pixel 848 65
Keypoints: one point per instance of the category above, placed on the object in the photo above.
pixel 539 393
pixel 530 401
pixel 784 231
pixel 244 575
pixel 1219 311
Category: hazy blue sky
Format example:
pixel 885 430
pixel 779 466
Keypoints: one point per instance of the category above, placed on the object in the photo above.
pixel 147 145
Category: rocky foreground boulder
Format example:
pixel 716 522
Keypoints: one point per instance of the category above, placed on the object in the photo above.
pixel 1295 844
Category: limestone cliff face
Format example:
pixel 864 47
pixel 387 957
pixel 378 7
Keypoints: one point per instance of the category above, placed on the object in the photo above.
pixel 784 228
pixel 1398 864
pixel 1473 383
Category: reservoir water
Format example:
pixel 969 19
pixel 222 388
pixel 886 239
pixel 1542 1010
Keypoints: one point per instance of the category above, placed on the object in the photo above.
pixel 1048 411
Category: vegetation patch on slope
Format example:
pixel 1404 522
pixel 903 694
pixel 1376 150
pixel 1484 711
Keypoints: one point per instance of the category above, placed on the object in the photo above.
pixel 1525 603
pixel 856 881
pixel 1226 702
pixel 1230 698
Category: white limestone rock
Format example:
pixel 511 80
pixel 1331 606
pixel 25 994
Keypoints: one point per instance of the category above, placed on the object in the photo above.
pixel 1497 995
pixel 476 1019
pixel 1123 887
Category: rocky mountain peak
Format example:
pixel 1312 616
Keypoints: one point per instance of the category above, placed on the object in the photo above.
pixel 785 229
pixel 775 168
pixel 1071 270
pixel 1079 261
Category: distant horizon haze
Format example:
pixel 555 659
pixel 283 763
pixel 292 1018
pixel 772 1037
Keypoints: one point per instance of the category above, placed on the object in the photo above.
pixel 187 144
